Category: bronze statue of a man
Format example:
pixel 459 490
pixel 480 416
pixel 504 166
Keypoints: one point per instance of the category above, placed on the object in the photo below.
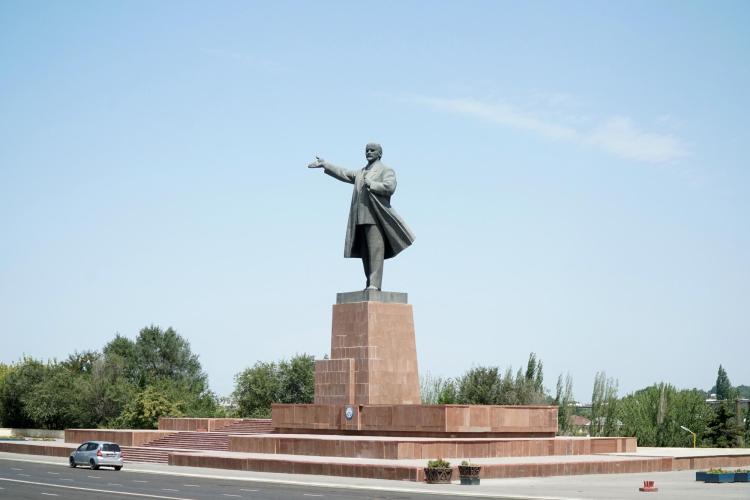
pixel 375 231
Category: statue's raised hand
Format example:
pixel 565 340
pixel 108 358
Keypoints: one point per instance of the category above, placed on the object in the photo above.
pixel 318 163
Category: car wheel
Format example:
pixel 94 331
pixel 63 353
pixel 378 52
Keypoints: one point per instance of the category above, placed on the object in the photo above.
pixel 118 467
pixel 93 465
pixel 72 462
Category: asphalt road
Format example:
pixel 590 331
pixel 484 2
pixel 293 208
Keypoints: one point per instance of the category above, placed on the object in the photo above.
pixel 21 480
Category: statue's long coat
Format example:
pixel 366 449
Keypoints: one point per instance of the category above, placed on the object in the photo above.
pixel 396 234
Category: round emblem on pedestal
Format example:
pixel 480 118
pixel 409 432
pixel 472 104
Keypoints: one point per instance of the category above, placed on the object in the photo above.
pixel 349 412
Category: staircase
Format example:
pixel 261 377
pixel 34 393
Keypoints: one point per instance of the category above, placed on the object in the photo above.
pixel 157 450
pixel 218 441
pixel 249 426
pixel 132 454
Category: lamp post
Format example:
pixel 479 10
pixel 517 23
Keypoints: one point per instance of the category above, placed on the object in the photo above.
pixel 691 432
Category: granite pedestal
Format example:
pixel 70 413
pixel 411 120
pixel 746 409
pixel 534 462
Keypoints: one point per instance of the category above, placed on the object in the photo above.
pixel 373 352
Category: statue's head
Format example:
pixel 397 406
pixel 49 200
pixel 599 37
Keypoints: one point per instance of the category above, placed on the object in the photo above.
pixel 373 151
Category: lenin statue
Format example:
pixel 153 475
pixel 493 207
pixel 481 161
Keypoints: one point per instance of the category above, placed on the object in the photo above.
pixel 375 231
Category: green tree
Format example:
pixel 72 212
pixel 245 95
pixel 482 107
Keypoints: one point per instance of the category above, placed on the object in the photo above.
pixel 437 390
pixel 655 415
pixel 143 411
pixel 723 385
pixel 21 380
pixel 564 401
pixel 297 383
pixel 53 402
pixel 480 386
pixel 159 359
pixel 105 391
pixel 265 383
pixel 723 429
pixel 4 370
pixel 255 389
pixel 448 393
pixel 604 406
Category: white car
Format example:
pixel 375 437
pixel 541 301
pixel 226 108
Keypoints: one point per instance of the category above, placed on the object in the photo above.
pixel 96 454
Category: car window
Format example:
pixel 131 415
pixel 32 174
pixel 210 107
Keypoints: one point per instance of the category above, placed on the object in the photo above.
pixel 82 447
pixel 92 447
pixel 110 447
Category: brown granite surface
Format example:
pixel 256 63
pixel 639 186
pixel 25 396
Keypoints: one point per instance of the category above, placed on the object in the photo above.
pixel 425 448
pixel 122 437
pixel 194 424
pixel 418 420
pixel 413 470
pixel 373 356
pixel 650 461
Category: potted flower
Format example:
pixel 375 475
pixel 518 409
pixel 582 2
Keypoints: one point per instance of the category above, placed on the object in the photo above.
pixel 741 476
pixel 701 475
pixel 468 472
pixel 719 476
pixel 438 471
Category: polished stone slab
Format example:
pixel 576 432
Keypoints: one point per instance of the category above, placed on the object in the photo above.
pixel 371 296
pixel 373 356
pixel 415 420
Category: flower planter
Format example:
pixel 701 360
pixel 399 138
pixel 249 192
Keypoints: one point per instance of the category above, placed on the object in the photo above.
pixel 438 475
pixel 723 477
pixel 701 476
pixel 469 474
pixel 741 477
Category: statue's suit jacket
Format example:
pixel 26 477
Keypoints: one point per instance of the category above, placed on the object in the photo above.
pixel 396 234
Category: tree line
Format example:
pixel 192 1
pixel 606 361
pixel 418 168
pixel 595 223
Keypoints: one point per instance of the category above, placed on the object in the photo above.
pixel 131 383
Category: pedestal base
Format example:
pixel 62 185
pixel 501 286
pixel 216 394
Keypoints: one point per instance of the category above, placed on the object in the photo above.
pixel 416 420
pixel 373 353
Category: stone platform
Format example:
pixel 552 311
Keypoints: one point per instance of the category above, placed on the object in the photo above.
pixel 396 448
pixel 413 470
pixel 373 352
pixel 455 421
pixel 642 460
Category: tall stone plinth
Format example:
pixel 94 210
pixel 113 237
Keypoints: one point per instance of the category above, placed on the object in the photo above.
pixel 373 352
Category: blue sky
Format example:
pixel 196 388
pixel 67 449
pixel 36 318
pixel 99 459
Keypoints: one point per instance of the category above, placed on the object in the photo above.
pixel 576 175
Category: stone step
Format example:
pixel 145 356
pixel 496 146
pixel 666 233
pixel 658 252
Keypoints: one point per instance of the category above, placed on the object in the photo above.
pixel 383 447
pixel 140 454
pixel 413 470
pixel 192 441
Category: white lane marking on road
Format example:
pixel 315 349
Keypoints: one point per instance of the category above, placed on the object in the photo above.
pixel 137 481
pixel 169 489
pixel 53 473
pixel 311 495
pixel 113 484
pixel 230 495
pixel 95 477
pixel 65 479
pixel 95 490
pixel 15 468
pixel 251 491
pixel 24 475
pixel 50 494
pixel 191 485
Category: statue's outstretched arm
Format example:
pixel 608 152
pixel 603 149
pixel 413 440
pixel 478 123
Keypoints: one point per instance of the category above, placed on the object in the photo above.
pixel 339 173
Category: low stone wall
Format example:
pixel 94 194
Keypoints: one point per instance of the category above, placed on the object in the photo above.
pixel 393 472
pixel 705 463
pixel 33 433
pixel 418 420
pixel 194 424
pixel 410 472
pixel 424 448
pixel 123 437
pixel 49 450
